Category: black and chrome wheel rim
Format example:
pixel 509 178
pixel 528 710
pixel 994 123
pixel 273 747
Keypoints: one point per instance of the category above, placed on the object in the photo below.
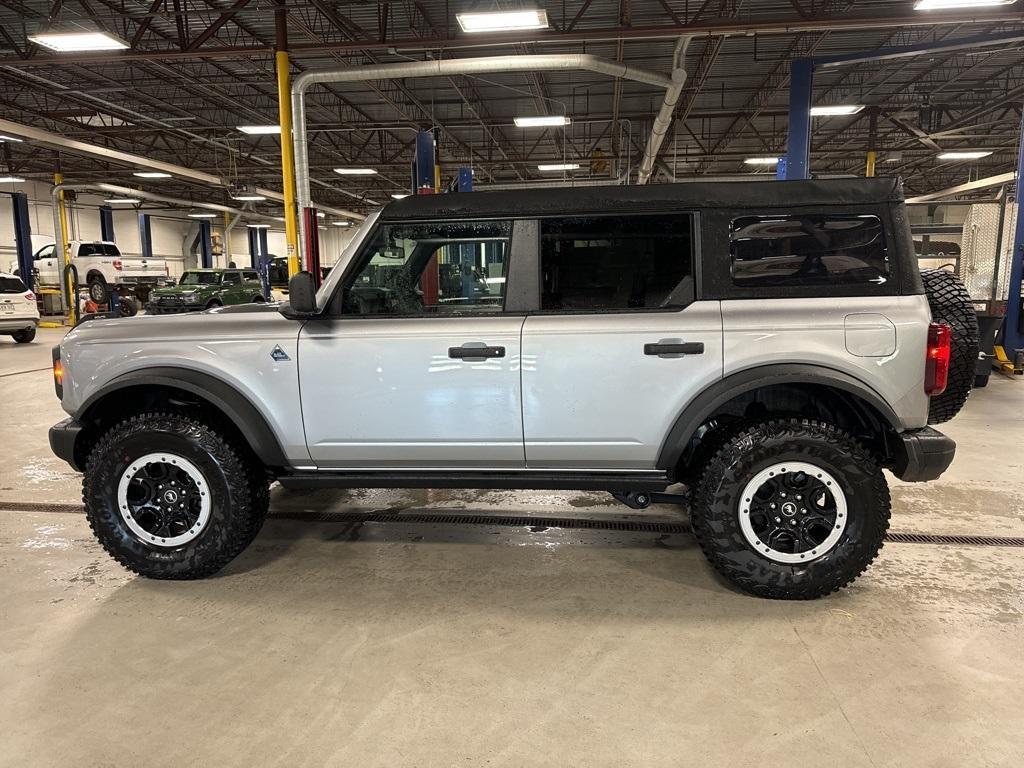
pixel 793 512
pixel 164 499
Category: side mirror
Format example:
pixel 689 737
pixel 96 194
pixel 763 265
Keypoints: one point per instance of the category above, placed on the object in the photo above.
pixel 301 296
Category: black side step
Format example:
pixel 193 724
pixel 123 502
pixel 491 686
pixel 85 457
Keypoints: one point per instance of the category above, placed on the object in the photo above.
pixel 538 481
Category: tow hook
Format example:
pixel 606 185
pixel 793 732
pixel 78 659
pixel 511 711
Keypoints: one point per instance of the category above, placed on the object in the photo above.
pixel 643 499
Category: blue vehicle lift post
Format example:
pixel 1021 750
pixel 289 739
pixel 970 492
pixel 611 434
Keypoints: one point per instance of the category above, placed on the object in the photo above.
pixel 23 237
pixel 146 235
pixel 206 244
pixel 107 223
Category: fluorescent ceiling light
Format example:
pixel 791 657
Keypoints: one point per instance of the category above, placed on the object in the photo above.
pixel 321 215
pixel 397 196
pixel 964 155
pixel 543 121
pixel 761 161
pixel 72 41
pixel 151 175
pixel 259 130
pixel 340 223
pixel 11 180
pixel 356 171
pixel 258 226
pixel 935 5
pixel 131 200
pixel 9 138
pixel 503 21
pixel 836 110
pixel 247 197
pixel 559 167
pixel 203 215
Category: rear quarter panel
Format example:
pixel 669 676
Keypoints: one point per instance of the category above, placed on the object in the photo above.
pixel 814 331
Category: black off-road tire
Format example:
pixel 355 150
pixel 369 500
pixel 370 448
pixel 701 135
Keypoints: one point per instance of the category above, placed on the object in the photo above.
pixel 214 303
pixel 238 502
pixel 24 336
pixel 950 303
pixel 99 291
pixel 715 515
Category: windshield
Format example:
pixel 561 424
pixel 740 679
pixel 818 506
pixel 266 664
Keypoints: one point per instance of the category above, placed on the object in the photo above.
pixel 200 278
pixel 328 285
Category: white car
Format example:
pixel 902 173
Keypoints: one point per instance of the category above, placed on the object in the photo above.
pixel 19 315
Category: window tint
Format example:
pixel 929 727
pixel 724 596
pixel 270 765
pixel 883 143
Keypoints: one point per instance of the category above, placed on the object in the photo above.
pixel 808 249
pixel 251 275
pixel 616 262
pixel 453 268
pixel 200 278
pixel 232 278
pixel 11 285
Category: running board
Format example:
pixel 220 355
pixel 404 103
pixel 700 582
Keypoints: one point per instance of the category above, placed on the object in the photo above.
pixel 536 481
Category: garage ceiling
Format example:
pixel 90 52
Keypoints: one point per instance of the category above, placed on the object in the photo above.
pixel 196 69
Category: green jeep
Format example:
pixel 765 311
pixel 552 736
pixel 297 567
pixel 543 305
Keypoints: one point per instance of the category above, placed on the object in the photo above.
pixel 207 288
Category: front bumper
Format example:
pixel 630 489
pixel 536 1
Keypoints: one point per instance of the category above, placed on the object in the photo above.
pixel 924 454
pixel 63 436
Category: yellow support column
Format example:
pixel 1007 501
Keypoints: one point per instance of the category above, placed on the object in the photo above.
pixel 284 108
pixel 63 239
pixel 872 159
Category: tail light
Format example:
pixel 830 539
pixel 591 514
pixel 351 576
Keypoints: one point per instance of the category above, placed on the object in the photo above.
pixel 117 265
pixel 30 296
pixel 936 366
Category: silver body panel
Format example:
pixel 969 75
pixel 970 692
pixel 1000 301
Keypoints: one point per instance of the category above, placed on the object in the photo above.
pixel 232 346
pixel 385 393
pixel 592 398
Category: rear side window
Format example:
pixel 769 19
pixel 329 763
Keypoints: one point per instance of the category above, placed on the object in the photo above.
pixel 12 285
pixel 251 276
pixel 614 263
pixel 231 278
pixel 808 250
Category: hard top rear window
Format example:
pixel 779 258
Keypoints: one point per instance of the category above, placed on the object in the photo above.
pixel 12 285
pixel 813 249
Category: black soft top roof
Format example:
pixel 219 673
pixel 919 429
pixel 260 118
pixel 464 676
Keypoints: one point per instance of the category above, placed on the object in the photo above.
pixel 614 199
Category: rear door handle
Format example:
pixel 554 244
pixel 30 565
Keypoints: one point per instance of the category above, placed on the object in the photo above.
pixel 685 348
pixel 481 353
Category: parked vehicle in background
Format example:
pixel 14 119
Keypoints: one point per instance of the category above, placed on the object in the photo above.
pixel 102 269
pixel 19 314
pixel 201 289
pixel 771 347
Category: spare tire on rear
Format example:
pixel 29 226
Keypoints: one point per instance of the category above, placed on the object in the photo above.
pixel 951 304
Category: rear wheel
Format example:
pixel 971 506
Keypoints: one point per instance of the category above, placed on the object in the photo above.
pixel 950 303
pixel 791 509
pixel 170 497
pixel 24 336
pixel 99 291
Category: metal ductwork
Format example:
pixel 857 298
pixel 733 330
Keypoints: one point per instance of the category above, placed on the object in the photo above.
pixel 475 66
pixel 663 120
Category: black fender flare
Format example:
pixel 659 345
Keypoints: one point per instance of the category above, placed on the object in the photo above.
pixel 223 396
pixel 736 384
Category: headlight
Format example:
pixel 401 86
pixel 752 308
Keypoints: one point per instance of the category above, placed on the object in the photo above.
pixel 189 298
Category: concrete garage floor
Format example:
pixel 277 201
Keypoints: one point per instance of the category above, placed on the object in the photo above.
pixel 425 644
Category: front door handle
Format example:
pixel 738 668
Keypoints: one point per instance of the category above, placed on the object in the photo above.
pixel 480 353
pixel 684 348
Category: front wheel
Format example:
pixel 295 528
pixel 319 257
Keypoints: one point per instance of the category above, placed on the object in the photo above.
pixel 791 509
pixel 170 497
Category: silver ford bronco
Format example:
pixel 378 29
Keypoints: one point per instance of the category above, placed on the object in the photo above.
pixel 770 347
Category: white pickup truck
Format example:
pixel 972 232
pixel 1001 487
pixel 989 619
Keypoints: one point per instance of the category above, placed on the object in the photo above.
pixel 102 268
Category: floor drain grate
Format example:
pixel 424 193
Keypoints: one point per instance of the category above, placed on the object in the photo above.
pixel 396 515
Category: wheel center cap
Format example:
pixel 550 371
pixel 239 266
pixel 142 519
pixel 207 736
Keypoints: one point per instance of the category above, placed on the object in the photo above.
pixel 789 509
pixel 171 497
